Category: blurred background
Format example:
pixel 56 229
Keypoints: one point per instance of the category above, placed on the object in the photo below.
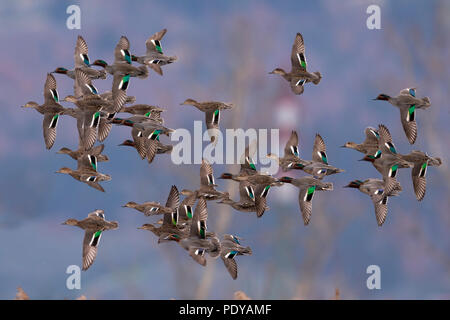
pixel 225 51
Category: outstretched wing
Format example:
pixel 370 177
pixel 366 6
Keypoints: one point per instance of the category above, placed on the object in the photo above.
pixel 198 224
pixel 386 144
pixel 231 266
pixel 90 245
pixel 319 150
pixel 408 118
pixel 418 174
pixel 305 197
pixel 291 147
pixel 198 255
pixel 380 209
pixel 81 58
pixel 207 174
pixel 298 59
pixel 122 51
pixel 50 93
pixel 153 43
pixel 372 136
pixel 49 128
pixel 297 85
pixel 246 192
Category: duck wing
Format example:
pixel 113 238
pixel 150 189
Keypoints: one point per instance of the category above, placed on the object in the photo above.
pixel 207 175
pixel 319 150
pixel 198 224
pixel 246 192
pixel 50 93
pixel 386 144
pixel 261 192
pixel 298 59
pixel 104 128
pixel 87 161
pixel 408 118
pixel 49 128
pixel 91 122
pixel 83 84
pixel 139 142
pixel 186 206
pixel 230 264
pixel 408 92
pixel 372 136
pixel 291 147
pixel 198 254
pixel 81 58
pixel 305 197
pixel 95 185
pixel 418 174
pixel 151 145
pixel 90 245
pixel 246 161
pixel 173 200
pixel 297 85
pixel 212 119
pixel 122 51
pixel 381 209
pixel 153 43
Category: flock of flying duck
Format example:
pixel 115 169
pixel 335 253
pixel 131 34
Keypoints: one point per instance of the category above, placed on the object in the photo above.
pixel 96 113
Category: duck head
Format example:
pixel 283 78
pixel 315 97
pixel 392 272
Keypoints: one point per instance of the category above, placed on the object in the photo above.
pixel 127 143
pixel 64 170
pixel 383 97
pixel 64 151
pixel 147 226
pixel 186 192
pixel 278 71
pixel 130 204
pixel 61 70
pixel 286 179
pixel 351 145
pixel 70 222
pixel 272 156
pixel 354 184
pixel 100 63
pixel 30 104
pixel 226 175
pixel 70 98
pixel 189 102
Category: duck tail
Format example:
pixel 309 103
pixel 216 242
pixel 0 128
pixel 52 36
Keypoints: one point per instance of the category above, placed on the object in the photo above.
pixel 426 101
pixel 171 59
pixel 168 149
pixel 247 251
pixel 319 77
pixel 216 247
pixel 143 72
